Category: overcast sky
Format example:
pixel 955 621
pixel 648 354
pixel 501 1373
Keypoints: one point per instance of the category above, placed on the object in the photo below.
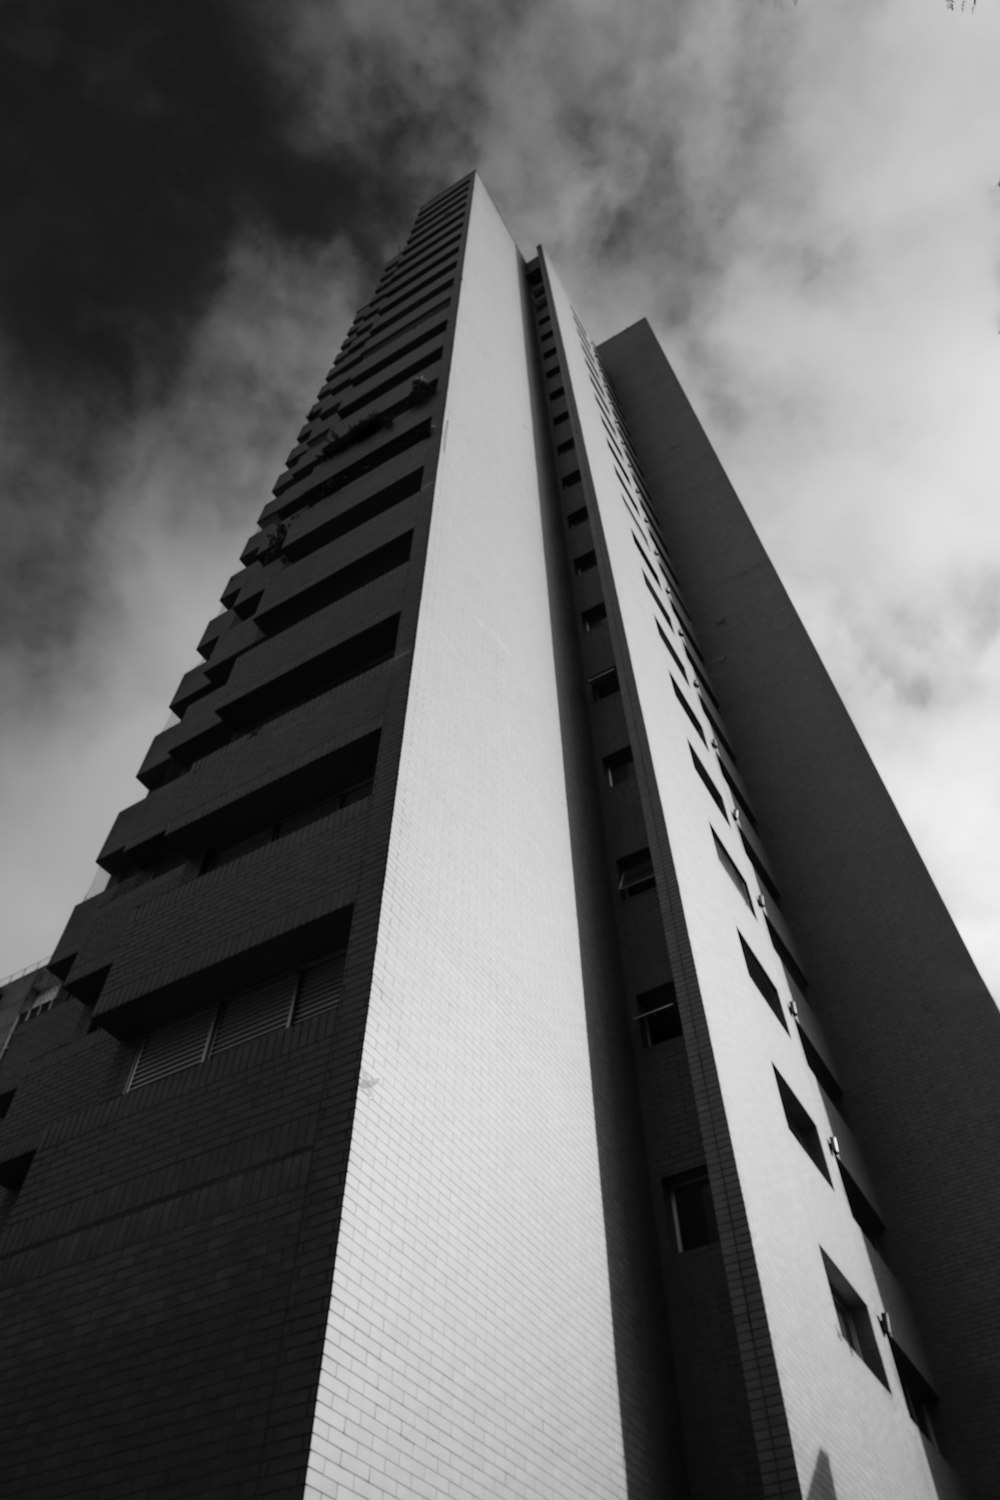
pixel 802 198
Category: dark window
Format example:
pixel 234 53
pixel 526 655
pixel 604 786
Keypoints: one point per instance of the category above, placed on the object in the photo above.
pixel 280 1002
pixel 6 1100
pixel 567 446
pixel 801 1125
pixel 692 1213
pixel 569 480
pixel 334 586
pixel 324 488
pixel 763 874
pixel 346 521
pixel 619 767
pixel 791 967
pixel 553 370
pixel 701 684
pixel 13 1172
pixel 554 396
pixel 410 373
pixel 659 1018
pixel 375 345
pixel 707 782
pixel 635 874
pixel 548 335
pixel 592 618
pixel 865 1213
pixel 690 713
pixel 731 870
pixel 676 659
pixel 763 981
pixel 562 417
pixel 719 734
pixel 315 675
pixel 738 797
pixel 604 685
pixel 585 562
pixel 820 1071
pixel 853 1322
pixel 920 1397
pixel 660 606
pixel 577 517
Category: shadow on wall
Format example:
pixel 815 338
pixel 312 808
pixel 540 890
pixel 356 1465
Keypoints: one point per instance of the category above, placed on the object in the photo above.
pixel 822 1486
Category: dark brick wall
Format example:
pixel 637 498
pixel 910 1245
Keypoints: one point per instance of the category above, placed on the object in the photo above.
pixel 165 1268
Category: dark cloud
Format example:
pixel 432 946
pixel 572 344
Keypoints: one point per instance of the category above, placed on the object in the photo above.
pixel 135 142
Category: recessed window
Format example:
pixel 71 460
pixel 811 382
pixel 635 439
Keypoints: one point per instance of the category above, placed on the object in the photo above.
pixel 13 1172
pixel 594 618
pixel 563 415
pixel 619 767
pixel 820 1071
pixel 738 797
pixel 283 1001
pixel 763 980
pixel 635 874
pixel 553 370
pixel 685 705
pixel 763 874
pixel 791 967
pixel 569 480
pixel 692 1212
pixel 585 562
pixel 676 659
pixel 577 517
pixel 567 446
pixel 554 395
pixel 920 1397
pixel 853 1323
pixel 6 1100
pixel 732 871
pixel 801 1125
pixel 866 1216
pixel 659 1018
pixel 707 782
pixel 604 685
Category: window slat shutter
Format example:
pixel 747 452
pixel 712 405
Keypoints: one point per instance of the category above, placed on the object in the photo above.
pixel 320 987
pixel 254 1013
pixel 170 1048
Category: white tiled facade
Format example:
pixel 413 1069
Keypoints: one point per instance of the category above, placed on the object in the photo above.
pixel 469 1347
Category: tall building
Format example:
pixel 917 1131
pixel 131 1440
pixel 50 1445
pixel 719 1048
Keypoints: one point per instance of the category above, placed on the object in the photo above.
pixel 519 1051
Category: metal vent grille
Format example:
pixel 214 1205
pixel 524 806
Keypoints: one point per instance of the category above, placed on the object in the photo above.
pixel 252 1014
pixel 320 987
pixel 168 1049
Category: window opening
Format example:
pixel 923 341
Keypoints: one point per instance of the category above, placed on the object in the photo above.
pixel 619 767
pixel 763 981
pixel 732 871
pixel 635 874
pixel 800 1123
pixel 692 1212
pixel 658 1016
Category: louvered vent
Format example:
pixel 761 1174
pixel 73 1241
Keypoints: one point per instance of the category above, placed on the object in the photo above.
pixel 320 987
pixel 253 1013
pixel 166 1050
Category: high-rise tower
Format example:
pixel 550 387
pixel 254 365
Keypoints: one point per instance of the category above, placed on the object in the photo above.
pixel 519 1051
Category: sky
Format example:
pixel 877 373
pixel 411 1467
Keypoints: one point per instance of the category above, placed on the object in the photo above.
pixel 801 197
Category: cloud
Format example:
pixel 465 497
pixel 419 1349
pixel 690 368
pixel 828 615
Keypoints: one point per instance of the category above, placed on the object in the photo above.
pixel 801 199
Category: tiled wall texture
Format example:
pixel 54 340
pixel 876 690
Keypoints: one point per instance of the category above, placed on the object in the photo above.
pixel 469 1348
